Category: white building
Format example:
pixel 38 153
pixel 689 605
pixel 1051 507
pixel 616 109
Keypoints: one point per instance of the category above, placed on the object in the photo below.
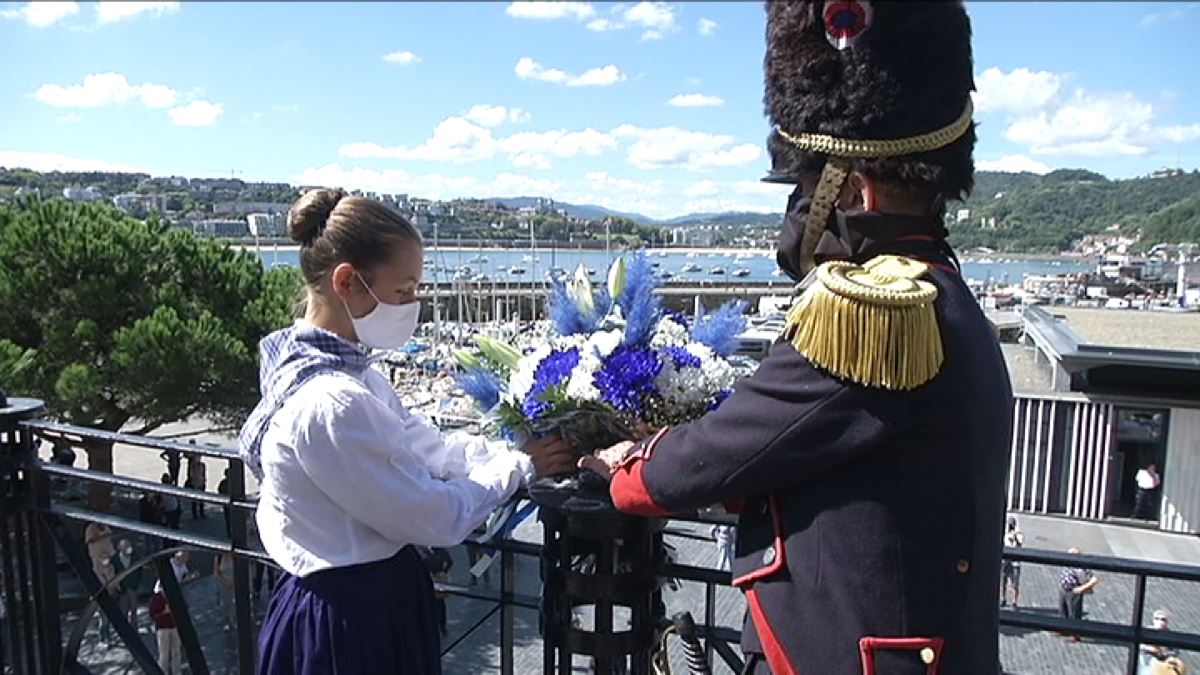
pixel 220 227
pixel 87 194
pixel 266 224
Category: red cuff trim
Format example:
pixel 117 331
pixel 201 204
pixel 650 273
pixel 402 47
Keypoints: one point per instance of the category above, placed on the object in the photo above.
pixel 779 560
pixel 629 491
pixel 644 449
pixel 777 659
pixel 735 505
pixel 933 657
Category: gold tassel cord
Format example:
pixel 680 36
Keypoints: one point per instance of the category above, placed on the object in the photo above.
pixel 889 147
pixel 874 324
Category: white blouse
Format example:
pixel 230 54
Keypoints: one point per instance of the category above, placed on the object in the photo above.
pixel 350 476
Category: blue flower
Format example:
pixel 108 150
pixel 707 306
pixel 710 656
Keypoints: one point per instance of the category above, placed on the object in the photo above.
pixel 482 385
pixel 627 377
pixel 640 307
pixel 720 329
pixel 681 357
pixel 552 371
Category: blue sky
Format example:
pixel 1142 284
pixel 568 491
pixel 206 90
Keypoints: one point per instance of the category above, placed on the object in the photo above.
pixel 649 107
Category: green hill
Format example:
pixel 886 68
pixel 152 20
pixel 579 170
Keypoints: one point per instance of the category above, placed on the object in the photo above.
pixel 1024 212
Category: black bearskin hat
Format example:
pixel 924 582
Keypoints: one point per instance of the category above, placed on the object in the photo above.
pixel 856 69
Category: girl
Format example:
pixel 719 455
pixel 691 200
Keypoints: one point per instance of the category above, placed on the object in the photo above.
pixel 350 480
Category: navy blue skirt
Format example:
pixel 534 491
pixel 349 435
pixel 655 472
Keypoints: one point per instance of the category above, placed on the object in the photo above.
pixel 376 618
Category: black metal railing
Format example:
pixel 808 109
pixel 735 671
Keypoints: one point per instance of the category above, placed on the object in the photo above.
pixel 41 547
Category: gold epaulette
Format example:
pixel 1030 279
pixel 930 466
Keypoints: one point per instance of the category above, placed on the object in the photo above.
pixel 872 324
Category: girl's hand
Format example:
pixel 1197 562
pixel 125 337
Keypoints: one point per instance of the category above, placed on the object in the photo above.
pixel 551 455
pixel 604 461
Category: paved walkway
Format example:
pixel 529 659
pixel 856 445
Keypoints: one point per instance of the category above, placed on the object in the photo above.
pixel 1023 652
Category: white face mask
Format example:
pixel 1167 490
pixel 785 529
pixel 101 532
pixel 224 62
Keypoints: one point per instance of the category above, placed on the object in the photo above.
pixel 387 326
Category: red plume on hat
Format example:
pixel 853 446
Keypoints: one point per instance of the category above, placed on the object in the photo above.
pixel 854 69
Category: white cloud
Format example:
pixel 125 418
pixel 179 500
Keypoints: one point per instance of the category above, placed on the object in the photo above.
pixel 702 188
pixel 198 113
pixel 1012 164
pixel 722 205
pixel 600 25
pixel 528 69
pixel 1018 91
pixel 42 14
pixel 53 161
pixel 404 58
pixel 695 100
pixel 454 139
pixel 757 187
pixel 1175 14
pixel 599 180
pixel 103 89
pixel 1047 119
pixel 690 150
pixel 495 115
pixel 533 149
pixel 1179 133
pixel 462 141
pixel 515 185
pixel 1089 125
pixel 551 10
pixel 706 27
pixel 657 18
pixel 108 12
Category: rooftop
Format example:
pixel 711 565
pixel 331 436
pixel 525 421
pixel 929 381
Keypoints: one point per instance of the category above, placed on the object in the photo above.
pixel 1133 328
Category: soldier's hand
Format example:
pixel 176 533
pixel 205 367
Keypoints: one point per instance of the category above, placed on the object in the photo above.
pixel 604 461
pixel 551 455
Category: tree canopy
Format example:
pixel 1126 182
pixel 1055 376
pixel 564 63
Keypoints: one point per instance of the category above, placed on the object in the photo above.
pixel 111 319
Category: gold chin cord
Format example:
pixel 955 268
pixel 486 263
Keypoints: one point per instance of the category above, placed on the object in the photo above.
pixel 841 151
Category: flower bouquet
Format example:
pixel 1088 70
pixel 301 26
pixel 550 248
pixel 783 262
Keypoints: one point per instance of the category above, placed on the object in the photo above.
pixel 616 363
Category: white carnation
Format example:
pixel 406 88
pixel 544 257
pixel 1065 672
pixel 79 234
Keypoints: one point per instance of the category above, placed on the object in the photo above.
pixel 668 332
pixel 521 381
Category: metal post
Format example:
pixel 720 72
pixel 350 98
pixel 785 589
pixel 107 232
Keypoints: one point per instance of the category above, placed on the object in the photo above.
pixel 1139 606
pixel 594 556
pixel 508 578
pixel 241 569
pixel 19 548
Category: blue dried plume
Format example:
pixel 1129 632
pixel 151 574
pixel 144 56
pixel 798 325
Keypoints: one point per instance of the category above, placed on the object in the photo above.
pixel 566 315
pixel 640 307
pixel 481 385
pixel 720 329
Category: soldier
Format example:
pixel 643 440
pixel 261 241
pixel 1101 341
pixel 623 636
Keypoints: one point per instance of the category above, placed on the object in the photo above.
pixel 868 451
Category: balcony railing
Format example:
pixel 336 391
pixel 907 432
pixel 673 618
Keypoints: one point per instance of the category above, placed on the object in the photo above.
pixel 41 557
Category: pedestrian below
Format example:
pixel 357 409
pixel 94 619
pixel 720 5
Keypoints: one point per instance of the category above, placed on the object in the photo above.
pixel 172 458
pixel 197 479
pixel 1148 482
pixel 179 565
pixel 1010 570
pixel 98 538
pixel 170 648
pixel 1075 583
pixel 223 489
pixel 122 562
pixel 223 573
pixel 172 509
pixel 726 538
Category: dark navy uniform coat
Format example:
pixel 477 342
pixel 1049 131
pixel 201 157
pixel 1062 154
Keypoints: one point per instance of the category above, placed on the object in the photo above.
pixel 871 523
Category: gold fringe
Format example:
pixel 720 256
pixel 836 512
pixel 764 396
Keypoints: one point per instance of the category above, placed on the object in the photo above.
pixel 874 324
